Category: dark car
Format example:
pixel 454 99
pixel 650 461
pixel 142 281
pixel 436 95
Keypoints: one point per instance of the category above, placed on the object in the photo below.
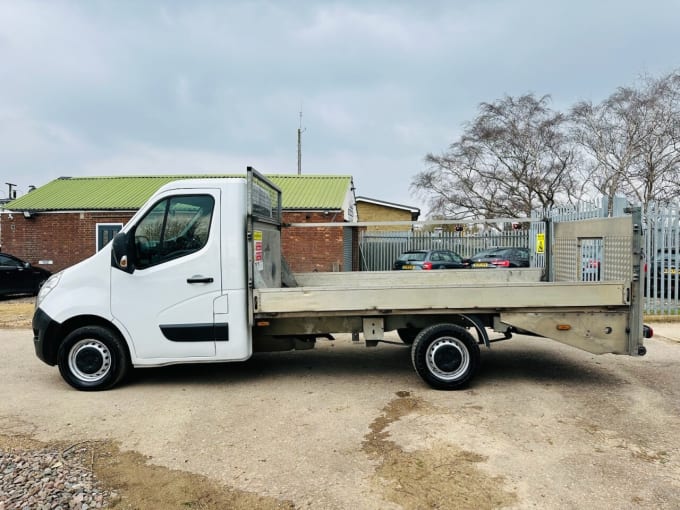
pixel 501 257
pixel 19 277
pixel 665 267
pixel 429 259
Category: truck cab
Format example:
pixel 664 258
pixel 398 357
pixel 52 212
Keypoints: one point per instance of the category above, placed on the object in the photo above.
pixel 171 287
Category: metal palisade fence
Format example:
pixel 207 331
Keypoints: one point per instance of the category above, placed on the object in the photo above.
pixel 661 281
pixel 379 249
pixel 661 226
pixel 662 239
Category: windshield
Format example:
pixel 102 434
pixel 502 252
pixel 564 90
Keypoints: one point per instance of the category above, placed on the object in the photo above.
pixel 491 252
pixel 412 256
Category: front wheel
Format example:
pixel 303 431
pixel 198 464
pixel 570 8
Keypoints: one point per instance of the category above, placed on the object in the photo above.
pixel 445 356
pixel 93 358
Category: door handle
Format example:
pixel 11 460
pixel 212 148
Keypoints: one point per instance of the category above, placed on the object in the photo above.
pixel 200 279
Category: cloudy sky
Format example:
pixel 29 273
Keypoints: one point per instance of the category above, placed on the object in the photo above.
pixel 98 87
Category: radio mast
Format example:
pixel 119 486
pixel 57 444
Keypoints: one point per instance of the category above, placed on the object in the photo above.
pixel 299 145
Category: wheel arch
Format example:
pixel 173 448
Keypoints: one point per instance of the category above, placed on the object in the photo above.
pixel 477 322
pixel 58 332
pixel 417 323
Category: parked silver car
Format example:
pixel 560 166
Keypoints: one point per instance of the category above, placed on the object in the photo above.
pixel 430 259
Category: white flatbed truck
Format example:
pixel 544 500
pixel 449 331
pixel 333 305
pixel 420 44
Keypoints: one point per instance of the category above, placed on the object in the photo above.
pixel 197 276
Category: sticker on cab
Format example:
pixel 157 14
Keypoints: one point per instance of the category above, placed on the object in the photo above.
pixel 258 257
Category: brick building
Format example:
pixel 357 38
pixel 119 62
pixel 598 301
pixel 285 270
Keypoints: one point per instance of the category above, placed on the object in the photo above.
pixel 69 219
pixel 371 209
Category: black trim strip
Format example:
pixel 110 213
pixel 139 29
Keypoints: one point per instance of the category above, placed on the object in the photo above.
pixel 196 332
pixel 222 332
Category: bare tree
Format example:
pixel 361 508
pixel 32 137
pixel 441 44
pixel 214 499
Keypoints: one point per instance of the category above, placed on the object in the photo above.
pixel 632 140
pixel 655 173
pixel 610 134
pixel 514 157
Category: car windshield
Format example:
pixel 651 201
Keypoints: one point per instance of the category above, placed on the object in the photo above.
pixel 491 252
pixel 413 256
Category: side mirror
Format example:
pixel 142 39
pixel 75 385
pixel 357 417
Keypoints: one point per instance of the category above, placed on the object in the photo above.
pixel 123 253
pixel 27 265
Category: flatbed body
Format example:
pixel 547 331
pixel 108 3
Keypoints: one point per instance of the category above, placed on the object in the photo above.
pixel 454 291
pixel 504 300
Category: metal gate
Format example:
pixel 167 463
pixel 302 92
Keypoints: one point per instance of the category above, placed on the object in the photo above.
pixel 662 225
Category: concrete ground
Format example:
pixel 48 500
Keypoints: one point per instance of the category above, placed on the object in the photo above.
pixel 342 426
pixel 670 330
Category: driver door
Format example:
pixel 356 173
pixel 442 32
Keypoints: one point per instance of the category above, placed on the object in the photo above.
pixel 166 304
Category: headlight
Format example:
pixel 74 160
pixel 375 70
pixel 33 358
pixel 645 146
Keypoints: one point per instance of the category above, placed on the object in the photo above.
pixel 50 284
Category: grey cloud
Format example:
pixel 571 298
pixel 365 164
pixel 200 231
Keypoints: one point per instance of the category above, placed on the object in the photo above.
pixel 115 87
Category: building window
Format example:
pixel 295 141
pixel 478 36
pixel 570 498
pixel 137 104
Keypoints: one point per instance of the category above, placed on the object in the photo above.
pixel 105 232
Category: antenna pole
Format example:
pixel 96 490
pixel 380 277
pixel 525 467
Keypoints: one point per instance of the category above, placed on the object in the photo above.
pixel 299 146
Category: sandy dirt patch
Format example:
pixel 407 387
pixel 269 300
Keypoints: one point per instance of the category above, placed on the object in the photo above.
pixel 16 312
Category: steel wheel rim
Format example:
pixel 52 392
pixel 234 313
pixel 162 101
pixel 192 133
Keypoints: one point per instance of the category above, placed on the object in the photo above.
pixel 89 360
pixel 448 358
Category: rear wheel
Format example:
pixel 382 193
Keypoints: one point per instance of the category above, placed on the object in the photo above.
pixel 93 358
pixel 446 356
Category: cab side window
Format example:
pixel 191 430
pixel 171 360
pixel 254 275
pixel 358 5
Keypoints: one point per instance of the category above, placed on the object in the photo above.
pixel 173 228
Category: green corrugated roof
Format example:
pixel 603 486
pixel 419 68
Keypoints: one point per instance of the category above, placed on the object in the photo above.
pixel 313 191
pixel 130 192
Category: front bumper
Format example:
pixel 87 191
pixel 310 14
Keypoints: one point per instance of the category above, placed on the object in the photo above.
pixel 45 333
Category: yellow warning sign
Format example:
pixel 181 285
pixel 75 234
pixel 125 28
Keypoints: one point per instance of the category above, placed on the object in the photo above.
pixel 257 245
pixel 540 243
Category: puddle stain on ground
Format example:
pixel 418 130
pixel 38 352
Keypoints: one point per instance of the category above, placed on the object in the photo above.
pixel 438 478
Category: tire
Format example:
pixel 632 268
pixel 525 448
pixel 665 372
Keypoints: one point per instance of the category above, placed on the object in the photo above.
pixel 408 335
pixel 93 358
pixel 445 356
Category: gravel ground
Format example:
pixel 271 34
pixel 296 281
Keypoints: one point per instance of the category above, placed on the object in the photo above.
pixel 46 479
pixel 542 426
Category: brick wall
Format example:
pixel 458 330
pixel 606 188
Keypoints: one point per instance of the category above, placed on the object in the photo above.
pixel 63 238
pixel 313 249
pixel 68 238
